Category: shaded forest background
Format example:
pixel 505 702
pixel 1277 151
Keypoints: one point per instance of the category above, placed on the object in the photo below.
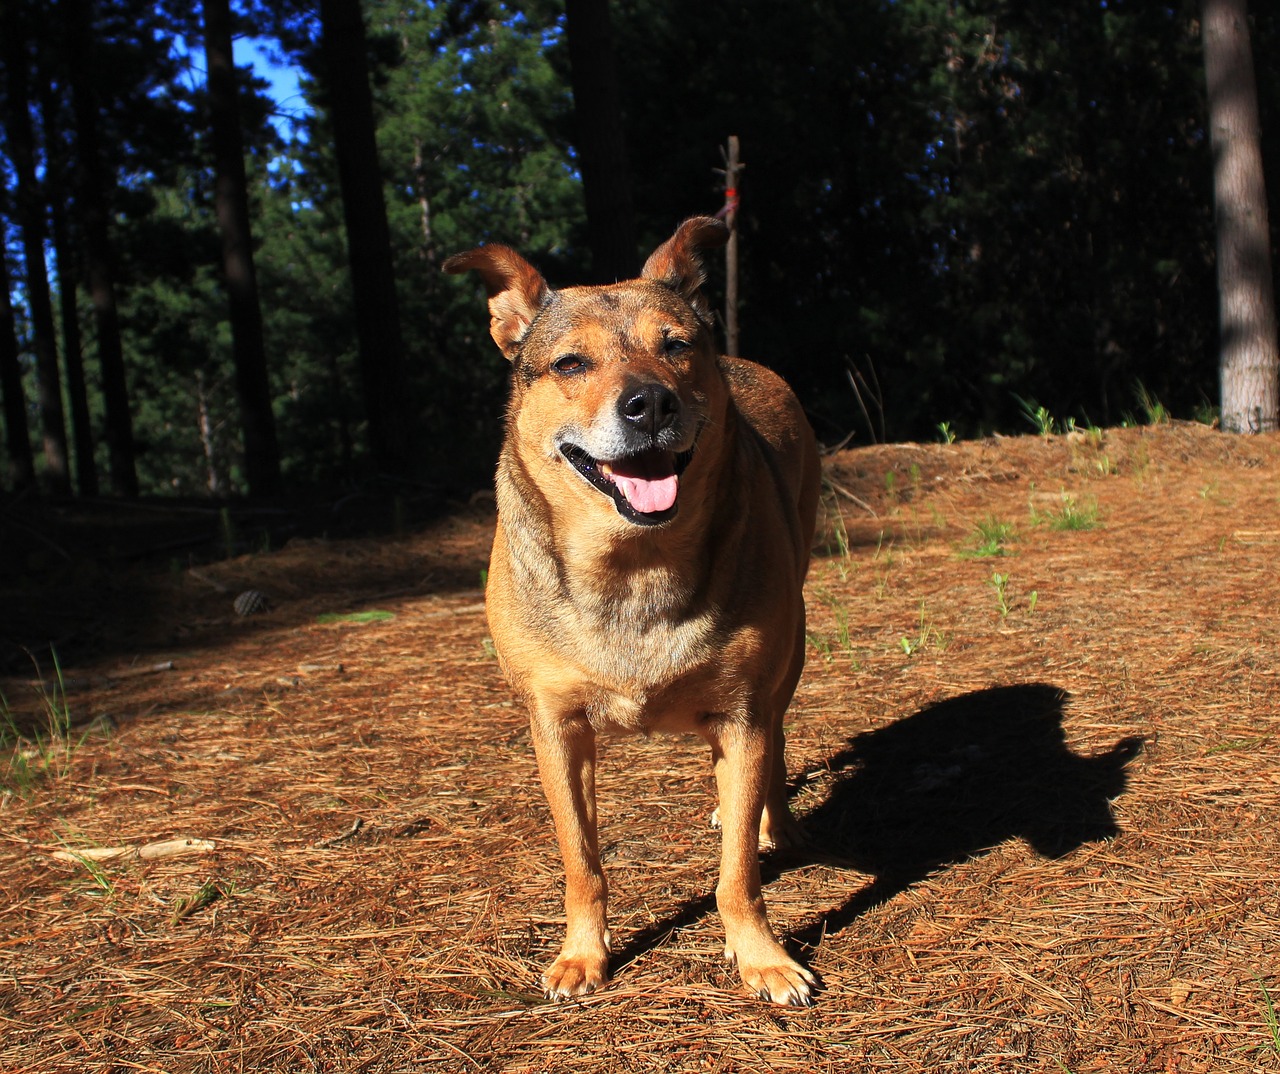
pixel 968 211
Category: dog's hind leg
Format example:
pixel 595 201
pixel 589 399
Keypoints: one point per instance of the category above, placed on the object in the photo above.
pixel 778 828
pixel 566 749
pixel 741 751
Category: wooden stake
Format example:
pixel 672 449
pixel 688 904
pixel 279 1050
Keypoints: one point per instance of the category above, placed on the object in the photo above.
pixel 733 167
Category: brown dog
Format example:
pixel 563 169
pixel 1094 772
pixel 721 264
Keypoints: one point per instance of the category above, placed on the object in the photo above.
pixel 656 505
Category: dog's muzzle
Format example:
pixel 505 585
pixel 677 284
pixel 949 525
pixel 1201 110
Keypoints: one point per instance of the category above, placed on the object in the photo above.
pixel 643 475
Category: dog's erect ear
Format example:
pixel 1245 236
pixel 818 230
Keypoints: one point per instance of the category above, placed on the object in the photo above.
pixel 676 262
pixel 516 290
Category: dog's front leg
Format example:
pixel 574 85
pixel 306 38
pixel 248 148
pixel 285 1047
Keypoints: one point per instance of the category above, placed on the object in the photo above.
pixel 743 767
pixel 565 745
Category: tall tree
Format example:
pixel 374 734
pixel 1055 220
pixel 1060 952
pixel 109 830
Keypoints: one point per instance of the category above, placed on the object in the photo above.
pixel 373 280
pixel 92 184
pixel 31 217
pixel 261 450
pixel 56 165
pixel 1250 360
pixel 606 171
pixel 21 471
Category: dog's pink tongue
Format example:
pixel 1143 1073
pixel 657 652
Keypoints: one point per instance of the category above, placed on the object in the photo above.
pixel 648 482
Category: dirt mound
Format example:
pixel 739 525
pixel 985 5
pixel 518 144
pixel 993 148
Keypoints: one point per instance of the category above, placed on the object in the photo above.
pixel 1034 748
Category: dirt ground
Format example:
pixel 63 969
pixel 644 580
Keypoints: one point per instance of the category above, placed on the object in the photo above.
pixel 1034 749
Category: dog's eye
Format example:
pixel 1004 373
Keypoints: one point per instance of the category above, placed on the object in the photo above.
pixel 673 345
pixel 569 364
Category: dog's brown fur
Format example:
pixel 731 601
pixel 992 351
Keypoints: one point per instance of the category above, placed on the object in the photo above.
pixel 613 610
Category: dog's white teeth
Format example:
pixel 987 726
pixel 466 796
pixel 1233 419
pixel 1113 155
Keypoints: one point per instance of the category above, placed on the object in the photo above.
pixel 604 468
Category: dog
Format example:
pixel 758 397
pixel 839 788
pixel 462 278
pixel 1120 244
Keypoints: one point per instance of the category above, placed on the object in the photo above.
pixel 656 507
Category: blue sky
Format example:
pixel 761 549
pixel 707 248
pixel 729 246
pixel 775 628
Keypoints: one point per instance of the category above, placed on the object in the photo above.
pixel 283 80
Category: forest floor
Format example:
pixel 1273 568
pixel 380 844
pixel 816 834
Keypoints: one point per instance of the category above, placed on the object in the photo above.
pixel 1035 748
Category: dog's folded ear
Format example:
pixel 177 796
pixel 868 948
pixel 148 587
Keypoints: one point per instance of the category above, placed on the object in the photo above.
pixel 676 262
pixel 516 291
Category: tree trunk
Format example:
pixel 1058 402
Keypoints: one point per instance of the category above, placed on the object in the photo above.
pixel 213 482
pixel 30 206
pixel 21 475
pixel 91 188
pixel 86 468
pixel 73 357
pixel 373 284
pixel 253 391
pixel 602 151
pixel 1249 360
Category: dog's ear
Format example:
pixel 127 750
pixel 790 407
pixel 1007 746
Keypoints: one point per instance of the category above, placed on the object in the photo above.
pixel 516 290
pixel 676 262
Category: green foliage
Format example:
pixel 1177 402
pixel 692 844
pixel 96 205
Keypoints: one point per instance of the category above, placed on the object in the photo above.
pixel 1071 515
pixel 30 756
pixel 992 535
pixel 1017 206
pixel 357 618
pixel 926 636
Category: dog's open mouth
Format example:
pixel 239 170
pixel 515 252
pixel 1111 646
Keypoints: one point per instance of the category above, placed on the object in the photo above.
pixel 644 488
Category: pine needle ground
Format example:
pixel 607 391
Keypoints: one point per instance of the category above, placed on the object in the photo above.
pixel 1044 832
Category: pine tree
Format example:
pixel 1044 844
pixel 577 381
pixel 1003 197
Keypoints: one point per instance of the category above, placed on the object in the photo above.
pixel 1250 356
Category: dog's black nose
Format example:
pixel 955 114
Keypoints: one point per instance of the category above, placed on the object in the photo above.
pixel 649 407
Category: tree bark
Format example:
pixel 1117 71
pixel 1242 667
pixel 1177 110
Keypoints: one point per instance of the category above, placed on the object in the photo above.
pixel 86 469
pixel 1249 360
pixel 21 476
pixel 253 390
pixel 30 205
pixel 383 373
pixel 92 184
pixel 602 150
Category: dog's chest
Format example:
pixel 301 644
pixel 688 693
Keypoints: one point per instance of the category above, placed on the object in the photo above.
pixel 647 676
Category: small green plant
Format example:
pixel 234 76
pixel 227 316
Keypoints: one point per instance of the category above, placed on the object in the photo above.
pixel 42 753
pixel 945 433
pixel 820 644
pixel 1072 515
pixel 1206 413
pixel 1153 410
pixel 99 882
pixel 891 485
pixel 1237 744
pixel 1038 416
pixel 1075 516
pixel 992 536
pixel 883 555
pixel 838 547
pixel 1000 583
pixel 926 635
pixel 841 641
pixel 207 893
pixel 1269 1015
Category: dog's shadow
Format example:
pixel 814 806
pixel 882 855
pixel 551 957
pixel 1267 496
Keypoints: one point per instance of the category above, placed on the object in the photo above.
pixel 939 787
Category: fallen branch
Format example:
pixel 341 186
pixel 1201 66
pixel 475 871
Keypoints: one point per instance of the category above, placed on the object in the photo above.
pixel 150 669
pixel 164 848
pixel 334 840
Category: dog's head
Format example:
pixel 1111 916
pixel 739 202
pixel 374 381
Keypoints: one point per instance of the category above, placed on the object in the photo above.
pixel 613 385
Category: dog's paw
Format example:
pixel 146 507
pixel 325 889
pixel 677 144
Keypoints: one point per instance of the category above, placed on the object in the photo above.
pixel 781 832
pixel 575 975
pixel 778 979
pixel 775 834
